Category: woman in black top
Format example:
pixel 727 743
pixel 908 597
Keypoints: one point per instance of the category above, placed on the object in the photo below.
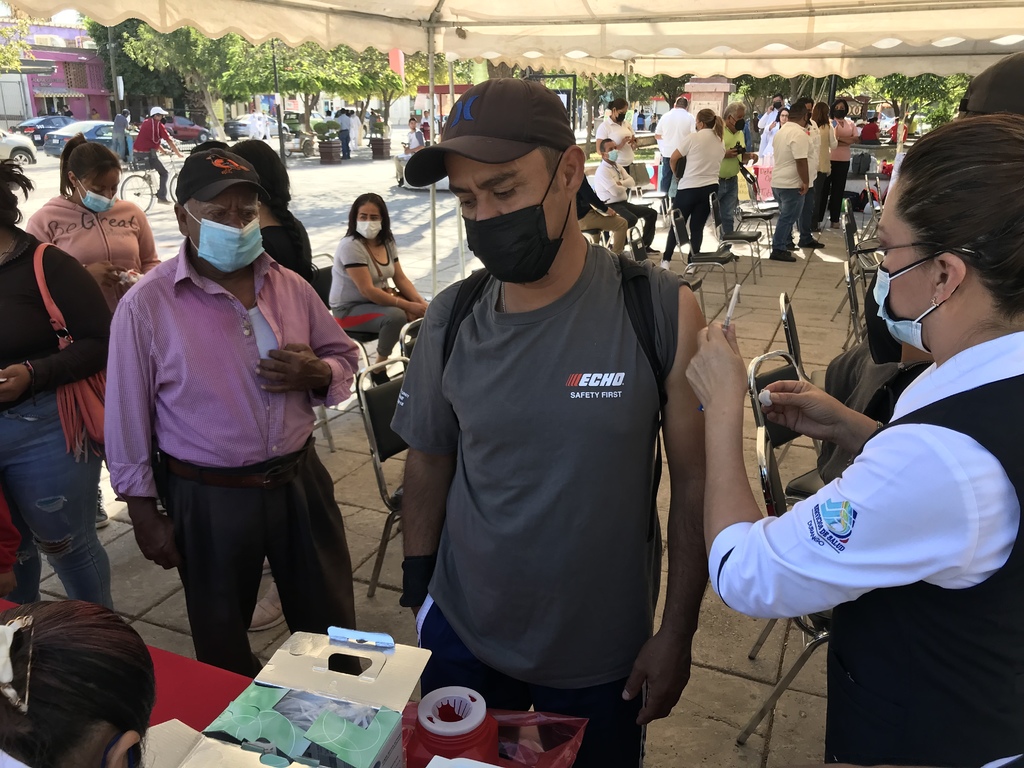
pixel 51 492
pixel 284 237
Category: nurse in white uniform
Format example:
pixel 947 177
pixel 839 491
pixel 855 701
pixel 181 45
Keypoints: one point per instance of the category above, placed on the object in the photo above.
pixel 916 545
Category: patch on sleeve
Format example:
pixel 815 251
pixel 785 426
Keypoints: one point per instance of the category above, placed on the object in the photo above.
pixel 832 523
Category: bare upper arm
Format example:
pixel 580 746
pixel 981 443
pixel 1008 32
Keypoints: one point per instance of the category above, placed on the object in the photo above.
pixel 684 421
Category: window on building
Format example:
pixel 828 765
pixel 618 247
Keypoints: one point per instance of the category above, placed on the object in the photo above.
pixel 75 75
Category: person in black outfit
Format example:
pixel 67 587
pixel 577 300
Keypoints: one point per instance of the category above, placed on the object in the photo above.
pixel 284 237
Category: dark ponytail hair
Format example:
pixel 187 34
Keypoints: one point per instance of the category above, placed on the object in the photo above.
pixel 961 189
pixel 11 176
pixel 88 667
pixel 85 159
pixel 274 178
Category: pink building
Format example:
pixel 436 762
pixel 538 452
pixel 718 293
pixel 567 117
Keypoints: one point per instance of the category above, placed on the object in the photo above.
pixel 78 78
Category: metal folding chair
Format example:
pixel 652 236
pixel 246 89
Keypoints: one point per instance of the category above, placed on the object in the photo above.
pixel 407 338
pixel 817 378
pixel 748 237
pixel 377 403
pixel 814 626
pixel 635 243
pixel 809 483
pixel 707 260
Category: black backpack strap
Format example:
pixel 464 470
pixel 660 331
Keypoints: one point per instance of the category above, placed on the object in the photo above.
pixel 636 292
pixel 469 293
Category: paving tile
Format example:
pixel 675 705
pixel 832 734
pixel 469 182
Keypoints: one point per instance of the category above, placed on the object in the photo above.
pixel 725 637
pixel 812 678
pixel 798 731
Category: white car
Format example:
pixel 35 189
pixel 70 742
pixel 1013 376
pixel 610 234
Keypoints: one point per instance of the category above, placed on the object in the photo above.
pixel 16 147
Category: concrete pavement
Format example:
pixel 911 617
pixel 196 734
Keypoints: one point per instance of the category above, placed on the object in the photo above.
pixel 725 687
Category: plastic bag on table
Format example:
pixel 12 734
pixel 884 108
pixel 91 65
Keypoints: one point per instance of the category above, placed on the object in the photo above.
pixel 525 739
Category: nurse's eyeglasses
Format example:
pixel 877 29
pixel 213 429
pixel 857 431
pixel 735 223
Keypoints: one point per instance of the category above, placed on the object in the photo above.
pixel 877 255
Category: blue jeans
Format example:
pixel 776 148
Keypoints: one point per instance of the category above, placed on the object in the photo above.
pixel 665 179
pixel 346 148
pixel 612 737
pixel 805 223
pixel 790 206
pixel 728 201
pixel 53 504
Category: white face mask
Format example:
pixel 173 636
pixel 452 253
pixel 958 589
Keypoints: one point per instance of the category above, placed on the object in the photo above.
pixel 905 331
pixel 368 229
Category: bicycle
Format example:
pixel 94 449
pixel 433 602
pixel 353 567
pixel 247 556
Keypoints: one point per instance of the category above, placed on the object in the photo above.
pixel 141 184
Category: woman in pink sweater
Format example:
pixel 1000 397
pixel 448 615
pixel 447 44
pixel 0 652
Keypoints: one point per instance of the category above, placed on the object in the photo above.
pixel 110 237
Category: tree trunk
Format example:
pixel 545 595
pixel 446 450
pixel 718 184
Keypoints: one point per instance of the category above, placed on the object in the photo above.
pixel 309 100
pixel 213 121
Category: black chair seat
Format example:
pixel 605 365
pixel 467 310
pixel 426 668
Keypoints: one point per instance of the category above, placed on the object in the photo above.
pixel 396 498
pixel 805 486
pixel 593 232
pixel 742 236
pixel 758 215
pixel 362 336
pixel 721 256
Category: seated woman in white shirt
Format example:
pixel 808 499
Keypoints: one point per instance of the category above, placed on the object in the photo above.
pixel 370 292
pixel 703 151
pixel 80 687
pixel 917 545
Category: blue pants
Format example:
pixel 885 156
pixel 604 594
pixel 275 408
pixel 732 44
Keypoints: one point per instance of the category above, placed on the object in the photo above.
pixel 346 149
pixel 612 737
pixel 53 504
pixel 728 201
pixel 805 223
pixel 790 207
pixel 665 179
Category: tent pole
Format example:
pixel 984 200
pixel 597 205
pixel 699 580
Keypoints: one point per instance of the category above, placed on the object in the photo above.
pixel 832 83
pixel 458 206
pixel 625 75
pixel 277 101
pixel 431 53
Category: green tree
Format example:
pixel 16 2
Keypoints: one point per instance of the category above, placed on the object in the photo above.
pixel 670 88
pixel 14 45
pixel 139 81
pixel 200 62
pixel 910 94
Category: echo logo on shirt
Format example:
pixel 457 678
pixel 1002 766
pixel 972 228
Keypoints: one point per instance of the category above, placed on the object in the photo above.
pixel 832 523
pixel 596 379
pixel 584 381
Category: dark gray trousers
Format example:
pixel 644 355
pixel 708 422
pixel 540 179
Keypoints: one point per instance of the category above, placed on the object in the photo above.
pixel 223 535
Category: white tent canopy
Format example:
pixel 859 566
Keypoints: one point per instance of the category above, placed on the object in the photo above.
pixel 703 37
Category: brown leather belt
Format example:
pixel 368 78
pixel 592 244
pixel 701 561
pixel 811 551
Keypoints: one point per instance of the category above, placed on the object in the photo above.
pixel 274 477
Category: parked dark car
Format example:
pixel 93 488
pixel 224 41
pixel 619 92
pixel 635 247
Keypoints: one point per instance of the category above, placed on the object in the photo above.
pixel 183 129
pixel 38 128
pixel 239 128
pixel 100 131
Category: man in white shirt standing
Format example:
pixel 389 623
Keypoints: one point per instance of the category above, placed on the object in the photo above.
pixel 255 125
pixel 675 126
pixel 806 220
pixel 790 182
pixel 344 134
pixel 612 185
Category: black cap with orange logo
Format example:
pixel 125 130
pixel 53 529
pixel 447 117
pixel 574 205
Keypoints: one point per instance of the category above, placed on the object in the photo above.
pixel 496 121
pixel 206 174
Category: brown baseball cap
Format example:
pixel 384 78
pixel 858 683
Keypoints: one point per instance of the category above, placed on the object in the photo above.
pixel 997 89
pixel 497 121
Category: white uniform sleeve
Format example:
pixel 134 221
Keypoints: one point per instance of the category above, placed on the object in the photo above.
pixel 602 131
pixel 904 512
pixel 605 185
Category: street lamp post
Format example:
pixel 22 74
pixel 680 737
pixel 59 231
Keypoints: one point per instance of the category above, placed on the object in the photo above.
pixel 277 100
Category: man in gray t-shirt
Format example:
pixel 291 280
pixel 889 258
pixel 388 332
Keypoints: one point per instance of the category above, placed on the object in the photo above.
pixel 527 509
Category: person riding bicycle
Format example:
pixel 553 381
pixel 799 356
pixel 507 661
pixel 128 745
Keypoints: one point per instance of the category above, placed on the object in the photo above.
pixel 147 143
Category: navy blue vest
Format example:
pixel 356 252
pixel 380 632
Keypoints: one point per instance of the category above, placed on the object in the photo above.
pixel 921 675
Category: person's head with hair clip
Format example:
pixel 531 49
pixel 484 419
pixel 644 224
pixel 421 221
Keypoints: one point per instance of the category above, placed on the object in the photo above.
pixel 76 687
pixel 89 174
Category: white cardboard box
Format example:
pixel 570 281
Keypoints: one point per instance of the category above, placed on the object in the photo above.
pixel 303 665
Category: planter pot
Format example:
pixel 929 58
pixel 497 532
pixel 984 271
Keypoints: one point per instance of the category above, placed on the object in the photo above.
pixel 330 152
pixel 380 146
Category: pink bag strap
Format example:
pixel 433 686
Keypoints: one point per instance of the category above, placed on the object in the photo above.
pixel 56 318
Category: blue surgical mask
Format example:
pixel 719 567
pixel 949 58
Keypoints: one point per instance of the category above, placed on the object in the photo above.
pixel 228 248
pixel 904 331
pixel 95 203
pixel 613 156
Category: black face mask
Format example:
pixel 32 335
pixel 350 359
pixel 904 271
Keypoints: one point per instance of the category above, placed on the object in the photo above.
pixel 515 247
pixel 620 118
pixel 739 125
pixel 841 114
pixel 776 105
pixel 884 348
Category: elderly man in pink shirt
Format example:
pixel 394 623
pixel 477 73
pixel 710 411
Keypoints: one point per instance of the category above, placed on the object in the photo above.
pixel 220 354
